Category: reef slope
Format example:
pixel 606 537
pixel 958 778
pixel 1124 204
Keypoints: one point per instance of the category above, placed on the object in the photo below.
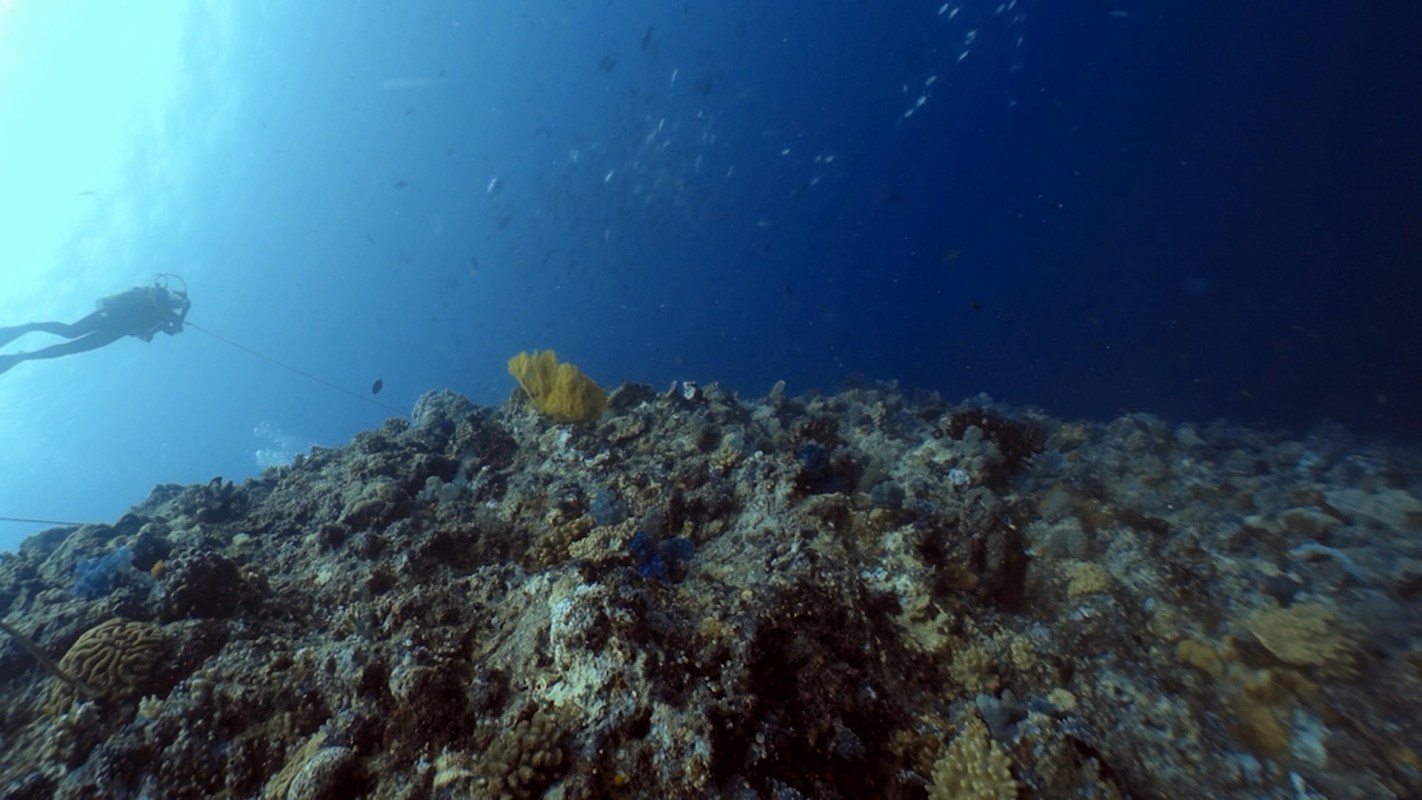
pixel 856 595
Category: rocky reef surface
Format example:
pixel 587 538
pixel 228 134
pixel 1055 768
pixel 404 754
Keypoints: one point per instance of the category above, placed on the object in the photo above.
pixel 858 595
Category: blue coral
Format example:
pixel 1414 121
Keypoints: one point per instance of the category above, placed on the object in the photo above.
pixel 664 563
pixel 820 472
pixel 96 577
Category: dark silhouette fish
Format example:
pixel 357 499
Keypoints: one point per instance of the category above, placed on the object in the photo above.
pixel 377 386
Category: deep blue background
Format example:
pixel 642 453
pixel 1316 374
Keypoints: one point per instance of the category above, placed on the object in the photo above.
pixel 1198 211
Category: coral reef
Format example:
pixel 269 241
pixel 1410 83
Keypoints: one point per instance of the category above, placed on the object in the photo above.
pixel 864 594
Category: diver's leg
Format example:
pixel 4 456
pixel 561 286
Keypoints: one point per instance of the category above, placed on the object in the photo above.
pixel 79 345
pixel 93 322
pixel 14 332
pixel 88 324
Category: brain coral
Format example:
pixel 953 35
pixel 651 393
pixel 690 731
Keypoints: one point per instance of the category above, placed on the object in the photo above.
pixel 114 658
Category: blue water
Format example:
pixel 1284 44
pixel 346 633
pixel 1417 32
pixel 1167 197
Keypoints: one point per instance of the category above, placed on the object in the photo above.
pixel 1089 207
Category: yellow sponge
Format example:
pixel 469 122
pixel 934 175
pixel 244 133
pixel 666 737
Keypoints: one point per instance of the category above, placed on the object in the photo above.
pixel 558 391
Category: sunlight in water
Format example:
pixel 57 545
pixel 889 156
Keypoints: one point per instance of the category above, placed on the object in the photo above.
pixel 80 95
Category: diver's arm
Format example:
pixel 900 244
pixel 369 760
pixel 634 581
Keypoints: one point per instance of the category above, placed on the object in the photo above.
pixel 179 319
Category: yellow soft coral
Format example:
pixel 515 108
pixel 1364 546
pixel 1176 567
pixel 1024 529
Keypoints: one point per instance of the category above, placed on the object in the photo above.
pixel 558 391
pixel 973 767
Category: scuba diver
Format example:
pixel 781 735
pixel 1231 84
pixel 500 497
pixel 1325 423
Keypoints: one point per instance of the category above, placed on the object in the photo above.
pixel 142 311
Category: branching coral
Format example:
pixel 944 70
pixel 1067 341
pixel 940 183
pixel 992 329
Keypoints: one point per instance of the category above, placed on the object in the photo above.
pixel 517 764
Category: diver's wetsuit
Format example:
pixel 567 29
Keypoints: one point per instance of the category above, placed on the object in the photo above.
pixel 143 311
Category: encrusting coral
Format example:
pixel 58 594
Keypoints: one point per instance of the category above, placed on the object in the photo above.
pixel 1304 635
pixel 559 391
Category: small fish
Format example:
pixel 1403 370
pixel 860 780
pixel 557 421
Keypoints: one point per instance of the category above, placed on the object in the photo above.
pixel 402 183
pixel 377 386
